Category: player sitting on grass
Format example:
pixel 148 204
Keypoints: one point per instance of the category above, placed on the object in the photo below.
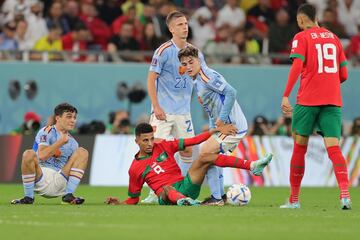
pixel 55 165
pixel 218 99
pixel 155 165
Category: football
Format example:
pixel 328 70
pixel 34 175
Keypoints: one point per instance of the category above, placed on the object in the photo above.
pixel 238 194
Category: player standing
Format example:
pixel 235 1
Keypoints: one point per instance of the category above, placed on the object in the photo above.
pixel 318 55
pixel 155 165
pixel 56 164
pixel 170 92
pixel 218 99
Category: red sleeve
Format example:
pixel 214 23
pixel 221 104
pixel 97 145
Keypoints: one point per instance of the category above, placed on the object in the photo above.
pixel 196 140
pixel 136 181
pixel 180 144
pixel 298 47
pixel 294 73
pixel 343 73
pixel 343 64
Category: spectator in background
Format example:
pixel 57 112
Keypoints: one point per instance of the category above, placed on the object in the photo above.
pixel 148 15
pixel 49 43
pixel 76 41
pixel 245 45
pixel 355 130
pixel 163 10
pixel 281 33
pixel 130 16
pixel 139 7
pixel 282 127
pixel 246 5
pixel 30 126
pixel 150 41
pixel 55 17
pixel 330 22
pixel 123 41
pixel 260 126
pixel 108 10
pixel 20 36
pixel 119 123
pixel 231 14
pixel 99 30
pixel 36 23
pixel 71 13
pixel 349 15
pixel 12 8
pixel 261 15
pixel 353 50
pixel 203 22
pixel 7 37
pixel 222 49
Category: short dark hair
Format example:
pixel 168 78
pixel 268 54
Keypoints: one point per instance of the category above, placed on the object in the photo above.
pixel 64 107
pixel 173 15
pixel 308 10
pixel 143 128
pixel 189 51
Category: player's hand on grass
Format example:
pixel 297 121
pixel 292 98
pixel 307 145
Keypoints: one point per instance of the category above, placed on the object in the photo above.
pixel 227 129
pixel 159 113
pixel 112 201
pixel 286 107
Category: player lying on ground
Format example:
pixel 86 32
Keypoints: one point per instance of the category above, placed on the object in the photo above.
pixel 155 165
pixel 318 55
pixel 218 99
pixel 56 164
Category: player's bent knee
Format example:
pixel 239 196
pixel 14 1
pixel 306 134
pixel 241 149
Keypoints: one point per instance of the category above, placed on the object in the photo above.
pixel 187 152
pixel 83 153
pixel 205 158
pixel 29 155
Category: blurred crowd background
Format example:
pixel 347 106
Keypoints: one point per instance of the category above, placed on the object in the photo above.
pixel 227 31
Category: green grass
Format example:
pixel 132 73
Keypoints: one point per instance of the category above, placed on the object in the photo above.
pixel 319 217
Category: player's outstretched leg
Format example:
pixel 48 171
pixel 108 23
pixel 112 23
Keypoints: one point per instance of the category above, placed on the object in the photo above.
pixel 200 167
pixel 257 167
pixel 74 170
pixel 31 171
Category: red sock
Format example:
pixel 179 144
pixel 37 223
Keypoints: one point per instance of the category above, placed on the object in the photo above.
pixel 297 168
pixel 340 170
pixel 174 195
pixel 230 161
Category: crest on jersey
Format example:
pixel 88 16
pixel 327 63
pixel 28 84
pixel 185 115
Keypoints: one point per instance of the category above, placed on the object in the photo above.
pixel 295 44
pixel 182 70
pixel 43 138
pixel 154 62
pixel 163 156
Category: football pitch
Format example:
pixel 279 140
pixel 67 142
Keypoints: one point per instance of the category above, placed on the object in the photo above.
pixel 319 217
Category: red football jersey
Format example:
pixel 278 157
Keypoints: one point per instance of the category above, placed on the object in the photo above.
pixel 323 56
pixel 157 170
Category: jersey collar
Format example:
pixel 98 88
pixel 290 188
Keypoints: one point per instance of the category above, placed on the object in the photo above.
pixel 142 158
